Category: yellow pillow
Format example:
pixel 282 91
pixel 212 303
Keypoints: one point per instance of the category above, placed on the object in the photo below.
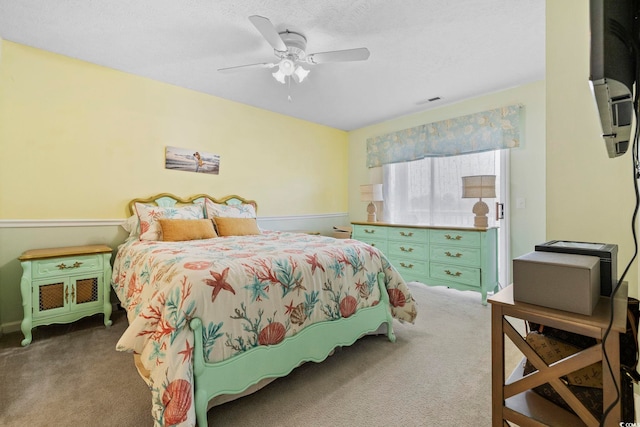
pixel 178 230
pixel 236 226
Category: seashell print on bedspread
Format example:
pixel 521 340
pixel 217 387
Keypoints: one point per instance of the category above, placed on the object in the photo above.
pixel 248 291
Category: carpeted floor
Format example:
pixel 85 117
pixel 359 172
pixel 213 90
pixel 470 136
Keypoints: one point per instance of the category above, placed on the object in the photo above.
pixel 437 373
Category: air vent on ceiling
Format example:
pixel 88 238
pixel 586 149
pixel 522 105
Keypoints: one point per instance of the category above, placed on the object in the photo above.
pixel 437 98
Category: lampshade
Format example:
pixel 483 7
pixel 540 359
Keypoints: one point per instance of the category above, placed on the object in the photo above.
pixel 300 73
pixel 479 186
pixel 371 193
pixel 279 76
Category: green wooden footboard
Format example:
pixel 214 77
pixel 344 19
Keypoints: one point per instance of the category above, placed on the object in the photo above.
pixel 313 344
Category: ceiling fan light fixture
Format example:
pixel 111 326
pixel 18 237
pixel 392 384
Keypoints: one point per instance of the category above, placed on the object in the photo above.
pixel 287 67
pixel 301 74
pixel 279 76
pixel 290 49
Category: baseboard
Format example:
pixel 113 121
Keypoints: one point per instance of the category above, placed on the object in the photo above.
pixel 10 327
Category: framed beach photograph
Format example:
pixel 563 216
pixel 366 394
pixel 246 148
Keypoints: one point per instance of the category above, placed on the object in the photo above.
pixel 189 160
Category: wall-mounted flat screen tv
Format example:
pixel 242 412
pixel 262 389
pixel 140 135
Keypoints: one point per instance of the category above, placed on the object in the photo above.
pixel 613 68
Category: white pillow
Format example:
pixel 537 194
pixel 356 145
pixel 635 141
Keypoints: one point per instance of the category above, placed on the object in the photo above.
pixel 148 215
pixel 131 225
pixel 229 211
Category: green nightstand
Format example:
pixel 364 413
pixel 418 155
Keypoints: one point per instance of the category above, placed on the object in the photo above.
pixel 62 285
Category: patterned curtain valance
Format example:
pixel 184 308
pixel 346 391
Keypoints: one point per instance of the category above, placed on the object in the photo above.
pixel 485 131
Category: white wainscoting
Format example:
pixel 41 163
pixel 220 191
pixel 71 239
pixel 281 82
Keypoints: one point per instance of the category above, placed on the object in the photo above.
pixel 323 223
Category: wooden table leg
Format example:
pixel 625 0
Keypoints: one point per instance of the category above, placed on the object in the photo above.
pixel 497 363
pixel 612 348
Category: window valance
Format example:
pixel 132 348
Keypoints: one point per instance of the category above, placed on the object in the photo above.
pixel 488 130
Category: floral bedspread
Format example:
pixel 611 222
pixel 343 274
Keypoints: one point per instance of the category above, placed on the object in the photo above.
pixel 248 291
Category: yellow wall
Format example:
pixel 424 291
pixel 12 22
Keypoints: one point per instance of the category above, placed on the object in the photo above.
pixel 79 141
pixel 589 196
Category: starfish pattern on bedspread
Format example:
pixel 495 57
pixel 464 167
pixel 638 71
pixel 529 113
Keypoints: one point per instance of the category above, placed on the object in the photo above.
pixel 219 282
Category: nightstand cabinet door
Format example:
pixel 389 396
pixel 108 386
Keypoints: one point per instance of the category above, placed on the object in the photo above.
pixel 71 294
pixel 49 297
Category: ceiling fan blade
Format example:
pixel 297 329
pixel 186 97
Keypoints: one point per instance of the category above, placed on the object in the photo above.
pixel 247 67
pixel 358 54
pixel 269 32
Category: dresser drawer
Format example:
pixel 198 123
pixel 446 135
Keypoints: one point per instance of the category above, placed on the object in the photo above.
pixel 376 243
pixel 455 273
pixel 410 269
pixel 52 267
pixel 408 249
pixel 458 255
pixel 455 237
pixel 368 232
pixel 408 234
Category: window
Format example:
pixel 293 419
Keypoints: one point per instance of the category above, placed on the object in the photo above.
pixel 429 191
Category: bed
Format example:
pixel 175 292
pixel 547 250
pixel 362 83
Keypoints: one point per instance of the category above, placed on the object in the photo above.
pixel 218 307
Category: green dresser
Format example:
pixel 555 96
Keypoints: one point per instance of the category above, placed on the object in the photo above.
pixel 459 258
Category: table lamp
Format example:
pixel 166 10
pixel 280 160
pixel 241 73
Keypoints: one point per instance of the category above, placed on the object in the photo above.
pixel 479 186
pixel 371 193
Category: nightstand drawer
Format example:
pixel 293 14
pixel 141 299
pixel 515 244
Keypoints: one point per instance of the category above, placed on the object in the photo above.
pixel 456 255
pixel 407 249
pixel 409 234
pixel 455 237
pixel 367 232
pixel 456 273
pixel 64 266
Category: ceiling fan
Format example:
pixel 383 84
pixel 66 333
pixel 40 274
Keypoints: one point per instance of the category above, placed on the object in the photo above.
pixel 289 47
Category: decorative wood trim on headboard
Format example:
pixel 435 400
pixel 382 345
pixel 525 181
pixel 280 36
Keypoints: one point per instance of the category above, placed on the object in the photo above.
pixel 168 199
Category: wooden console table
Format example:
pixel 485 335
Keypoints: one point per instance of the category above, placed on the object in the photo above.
pixel 512 398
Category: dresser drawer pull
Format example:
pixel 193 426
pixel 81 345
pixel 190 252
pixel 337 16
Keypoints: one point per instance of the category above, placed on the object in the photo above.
pixel 66 295
pixel 403 249
pixel 456 255
pixel 405 265
pixel 449 237
pixel 366 230
pixel 63 266
pixel 456 274
pixel 402 233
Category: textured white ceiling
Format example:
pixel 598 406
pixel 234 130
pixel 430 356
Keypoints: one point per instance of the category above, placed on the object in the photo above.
pixel 420 49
